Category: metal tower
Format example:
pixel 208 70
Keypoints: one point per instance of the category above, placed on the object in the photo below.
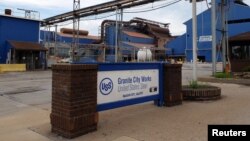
pixel 76 25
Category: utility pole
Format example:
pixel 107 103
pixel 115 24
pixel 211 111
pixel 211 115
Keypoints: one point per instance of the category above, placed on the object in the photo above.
pixel 223 30
pixel 76 25
pixel 194 40
pixel 213 27
pixel 120 29
pixel 116 36
pixel 118 25
pixel 55 37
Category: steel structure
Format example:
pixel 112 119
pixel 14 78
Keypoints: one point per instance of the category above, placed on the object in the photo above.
pixel 194 31
pixel 76 25
pixel 213 28
pixel 94 10
pixel 29 12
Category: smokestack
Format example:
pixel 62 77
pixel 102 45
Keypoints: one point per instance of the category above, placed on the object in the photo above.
pixel 7 11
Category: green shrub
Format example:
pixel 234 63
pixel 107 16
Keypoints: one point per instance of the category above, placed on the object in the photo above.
pixel 222 75
pixel 193 84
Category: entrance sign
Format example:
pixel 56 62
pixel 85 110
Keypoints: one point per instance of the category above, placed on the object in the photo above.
pixel 207 38
pixel 123 85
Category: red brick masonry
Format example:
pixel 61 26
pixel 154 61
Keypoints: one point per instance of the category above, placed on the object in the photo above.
pixel 74 99
pixel 172 84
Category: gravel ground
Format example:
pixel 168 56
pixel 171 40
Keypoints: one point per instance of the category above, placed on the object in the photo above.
pixel 25 101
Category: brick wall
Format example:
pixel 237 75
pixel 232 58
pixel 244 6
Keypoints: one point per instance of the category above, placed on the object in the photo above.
pixel 74 99
pixel 172 84
pixel 239 65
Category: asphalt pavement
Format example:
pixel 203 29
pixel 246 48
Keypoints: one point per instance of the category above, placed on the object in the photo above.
pixel 25 105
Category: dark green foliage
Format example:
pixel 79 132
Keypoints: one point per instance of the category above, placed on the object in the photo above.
pixel 222 75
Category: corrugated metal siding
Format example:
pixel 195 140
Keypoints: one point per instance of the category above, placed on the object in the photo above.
pixel 136 34
pixel 127 36
pixel 67 38
pixel 17 29
pixel 204 28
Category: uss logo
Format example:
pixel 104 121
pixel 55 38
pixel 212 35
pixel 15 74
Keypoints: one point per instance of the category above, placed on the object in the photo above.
pixel 106 86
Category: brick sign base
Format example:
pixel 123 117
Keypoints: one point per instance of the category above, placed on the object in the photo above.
pixel 172 84
pixel 74 100
pixel 74 97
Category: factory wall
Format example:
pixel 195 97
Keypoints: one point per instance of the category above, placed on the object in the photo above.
pixel 177 48
pixel 236 11
pixel 69 40
pixel 110 37
pixel 17 29
pixel 50 35
pixel 127 38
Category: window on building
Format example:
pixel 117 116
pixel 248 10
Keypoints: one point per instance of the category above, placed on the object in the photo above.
pixel 241 52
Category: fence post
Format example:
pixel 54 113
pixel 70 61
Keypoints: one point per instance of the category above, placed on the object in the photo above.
pixel 74 100
pixel 172 84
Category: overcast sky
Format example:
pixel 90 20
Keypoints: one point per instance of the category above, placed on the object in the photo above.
pixel 174 14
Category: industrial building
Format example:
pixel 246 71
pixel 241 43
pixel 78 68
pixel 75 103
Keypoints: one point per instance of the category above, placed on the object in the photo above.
pixel 59 43
pixel 238 23
pixel 65 36
pixel 136 34
pixel 132 35
pixel 239 52
pixel 100 53
pixel 19 41
pixel 20 38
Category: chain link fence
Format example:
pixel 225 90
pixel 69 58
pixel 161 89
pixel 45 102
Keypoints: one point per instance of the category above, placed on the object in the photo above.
pixel 60 53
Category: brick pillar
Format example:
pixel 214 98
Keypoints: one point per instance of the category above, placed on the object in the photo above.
pixel 74 100
pixel 172 84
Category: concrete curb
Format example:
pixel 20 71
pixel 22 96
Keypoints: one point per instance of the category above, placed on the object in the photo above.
pixel 225 80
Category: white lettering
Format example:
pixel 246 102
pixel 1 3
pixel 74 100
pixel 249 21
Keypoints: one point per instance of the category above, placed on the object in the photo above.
pixel 215 132
pixel 231 133
pixel 244 133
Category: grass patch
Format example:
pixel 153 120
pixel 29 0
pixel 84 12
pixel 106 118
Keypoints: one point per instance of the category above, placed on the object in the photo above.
pixel 195 85
pixel 223 75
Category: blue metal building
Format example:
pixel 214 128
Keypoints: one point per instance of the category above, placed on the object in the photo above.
pixel 134 35
pixel 182 45
pixel 19 42
pixel 51 36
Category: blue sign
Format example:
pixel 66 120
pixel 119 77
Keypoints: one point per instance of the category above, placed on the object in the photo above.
pixel 123 84
pixel 106 86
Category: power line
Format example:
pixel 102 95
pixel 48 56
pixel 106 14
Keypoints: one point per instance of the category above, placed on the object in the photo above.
pixel 89 19
pixel 142 11
pixel 143 7
pixel 207 4
pixel 152 9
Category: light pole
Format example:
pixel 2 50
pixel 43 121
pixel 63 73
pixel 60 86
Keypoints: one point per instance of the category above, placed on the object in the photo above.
pixel 213 27
pixel 116 35
pixel 223 28
pixel 194 40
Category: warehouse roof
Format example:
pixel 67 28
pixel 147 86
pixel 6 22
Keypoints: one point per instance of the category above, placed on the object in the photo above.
pixel 27 46
pixel 136 34
pixel 241 37
pixel 22 18
pixel 159 32
pixel 80 36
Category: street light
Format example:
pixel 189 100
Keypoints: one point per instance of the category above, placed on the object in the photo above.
pixel 194 40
